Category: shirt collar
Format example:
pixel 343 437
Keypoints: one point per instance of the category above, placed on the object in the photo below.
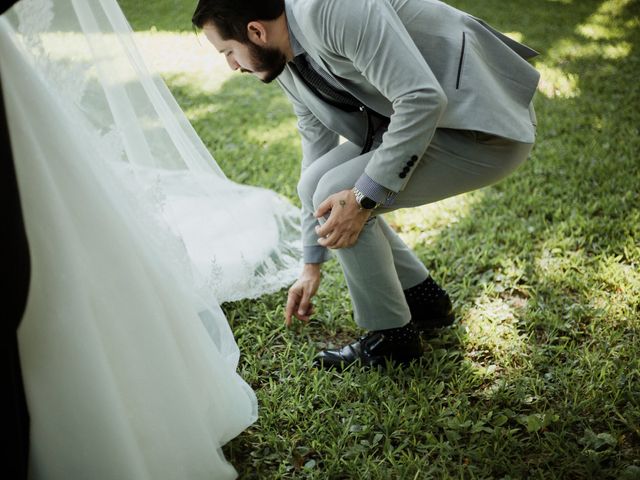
pixel 296 48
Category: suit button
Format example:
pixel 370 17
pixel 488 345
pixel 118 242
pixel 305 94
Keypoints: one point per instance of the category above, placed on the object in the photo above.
pixel 411 163
pixel 402 174
pixel 414 158
pixel 406 170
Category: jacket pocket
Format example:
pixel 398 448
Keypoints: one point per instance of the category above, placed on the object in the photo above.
pixel 461 62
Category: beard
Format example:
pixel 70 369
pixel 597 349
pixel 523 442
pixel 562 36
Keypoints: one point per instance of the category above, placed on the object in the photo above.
pixel 266 60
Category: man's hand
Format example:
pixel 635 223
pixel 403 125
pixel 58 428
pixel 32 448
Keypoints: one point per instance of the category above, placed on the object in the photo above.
pixel 300 294
pixel 345 221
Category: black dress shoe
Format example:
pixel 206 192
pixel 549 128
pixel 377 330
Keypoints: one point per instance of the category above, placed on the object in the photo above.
pixel 398 345
pixel 430 306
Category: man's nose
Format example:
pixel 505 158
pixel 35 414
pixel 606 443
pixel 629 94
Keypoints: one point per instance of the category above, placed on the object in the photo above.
pixel 233 65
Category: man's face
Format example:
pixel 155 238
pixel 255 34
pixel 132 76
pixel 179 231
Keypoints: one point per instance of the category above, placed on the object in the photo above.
pixel 265 63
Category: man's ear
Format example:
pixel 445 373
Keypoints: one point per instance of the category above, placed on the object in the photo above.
pixel 257 32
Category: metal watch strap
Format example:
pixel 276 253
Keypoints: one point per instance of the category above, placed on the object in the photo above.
pixel 361 196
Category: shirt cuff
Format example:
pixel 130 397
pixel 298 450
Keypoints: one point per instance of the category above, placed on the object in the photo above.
pixel 375 191
pixel 315 254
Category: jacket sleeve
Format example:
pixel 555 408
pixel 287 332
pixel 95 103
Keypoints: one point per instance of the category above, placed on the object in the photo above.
pixel 370 35
pixel 316 141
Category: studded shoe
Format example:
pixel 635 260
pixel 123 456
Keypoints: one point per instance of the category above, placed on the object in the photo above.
pixel 398 345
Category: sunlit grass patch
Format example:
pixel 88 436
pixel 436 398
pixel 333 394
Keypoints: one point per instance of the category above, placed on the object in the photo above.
pixel 189 59
pixel 493 340
pixel 556 83
pixel 603 24
pixel 422 224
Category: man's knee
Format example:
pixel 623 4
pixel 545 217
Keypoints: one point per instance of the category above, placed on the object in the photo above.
pixel 315 186
pixel 306 188
pixel 324 189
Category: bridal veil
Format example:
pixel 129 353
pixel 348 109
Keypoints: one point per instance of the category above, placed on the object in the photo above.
pixel 136 236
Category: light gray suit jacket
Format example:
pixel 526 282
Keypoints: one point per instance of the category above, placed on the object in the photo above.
pixel 423 63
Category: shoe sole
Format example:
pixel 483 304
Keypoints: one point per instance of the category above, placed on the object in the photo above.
pixel 374 363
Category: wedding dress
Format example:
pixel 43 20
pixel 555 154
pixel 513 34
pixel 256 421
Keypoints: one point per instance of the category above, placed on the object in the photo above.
pixel 135 238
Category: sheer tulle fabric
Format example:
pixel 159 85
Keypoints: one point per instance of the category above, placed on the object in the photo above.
pixel 135 237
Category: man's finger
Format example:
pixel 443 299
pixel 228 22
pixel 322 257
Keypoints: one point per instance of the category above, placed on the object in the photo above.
pixel 329 240
pixel 325 229
pixel 339 242
pixel 307 315
pixel 326 226
pixel 292 301
pixel 323 208
pixel 303 306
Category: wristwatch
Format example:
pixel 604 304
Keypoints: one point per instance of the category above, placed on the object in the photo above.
pixel 365 202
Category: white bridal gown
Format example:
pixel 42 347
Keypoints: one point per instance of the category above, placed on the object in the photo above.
pixel 135 238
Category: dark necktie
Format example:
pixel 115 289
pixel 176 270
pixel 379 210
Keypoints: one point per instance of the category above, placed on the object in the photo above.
pixel 343 100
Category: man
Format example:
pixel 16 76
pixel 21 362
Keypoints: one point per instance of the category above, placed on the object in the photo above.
pixel 432 102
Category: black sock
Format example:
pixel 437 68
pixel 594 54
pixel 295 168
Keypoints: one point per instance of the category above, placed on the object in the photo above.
pixel 405 334
pixel 425 292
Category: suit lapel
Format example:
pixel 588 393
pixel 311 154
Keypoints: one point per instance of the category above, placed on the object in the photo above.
pixel 372 101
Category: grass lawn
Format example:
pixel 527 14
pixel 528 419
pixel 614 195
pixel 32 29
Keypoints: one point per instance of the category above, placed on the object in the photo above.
pixel 539 378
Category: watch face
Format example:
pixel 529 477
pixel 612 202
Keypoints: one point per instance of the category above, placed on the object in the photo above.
pixel 367 203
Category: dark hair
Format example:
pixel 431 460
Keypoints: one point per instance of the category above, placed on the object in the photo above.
pixel 230 17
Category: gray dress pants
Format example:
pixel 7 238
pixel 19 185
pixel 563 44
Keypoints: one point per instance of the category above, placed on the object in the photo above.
pixel 380 265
